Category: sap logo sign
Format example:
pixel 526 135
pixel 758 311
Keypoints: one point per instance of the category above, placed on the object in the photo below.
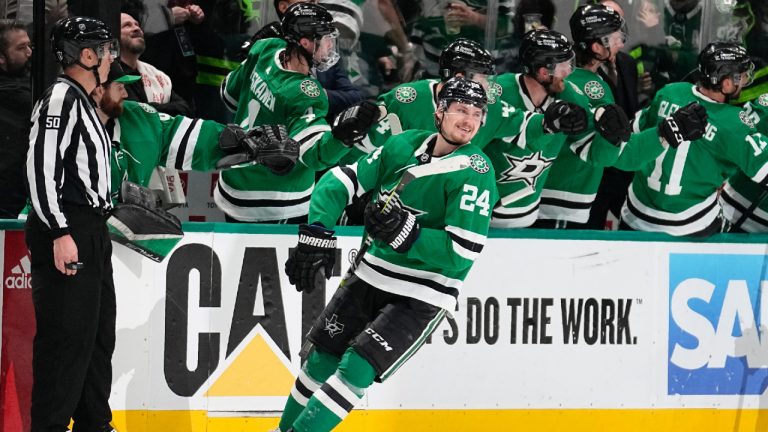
pixel 718 311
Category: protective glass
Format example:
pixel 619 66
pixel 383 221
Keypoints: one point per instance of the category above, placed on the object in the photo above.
pixel 461 110
pixel 112 47
pixel 326 51
pixel 563 69
pixel 615 40
pixel 484 80
pixel 745 78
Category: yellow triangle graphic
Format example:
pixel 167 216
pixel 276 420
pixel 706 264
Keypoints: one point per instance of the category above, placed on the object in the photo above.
pixel 255 372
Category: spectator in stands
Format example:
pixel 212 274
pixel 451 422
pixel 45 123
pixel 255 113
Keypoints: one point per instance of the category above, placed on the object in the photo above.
pixel 169 46
pixel 155 87
pixel 15 111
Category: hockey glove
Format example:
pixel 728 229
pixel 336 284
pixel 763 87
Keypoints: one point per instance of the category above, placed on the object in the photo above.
pixel 267 145
pixel 392 224
pixel 686 124
pixel 312 261
pixel 565 117
pixel 612 123
pixel 352 124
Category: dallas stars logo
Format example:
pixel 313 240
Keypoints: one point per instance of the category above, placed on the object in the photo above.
pixel 594 90
pixel 746 119
pixel 333 326
pixel 405 94
pixel 310 88
pixel 478 164
pixel 526 169
pixel 494 92
pixel 763 99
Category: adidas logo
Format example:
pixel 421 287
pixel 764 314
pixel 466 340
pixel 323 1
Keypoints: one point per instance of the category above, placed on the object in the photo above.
pixel 20 277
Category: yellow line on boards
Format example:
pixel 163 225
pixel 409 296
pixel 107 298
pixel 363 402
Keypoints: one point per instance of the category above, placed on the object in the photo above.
pixel 576 420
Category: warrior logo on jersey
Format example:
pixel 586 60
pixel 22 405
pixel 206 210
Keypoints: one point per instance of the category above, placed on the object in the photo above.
pixel 333 326
pixel 494 92
pixel 310 88
pixel 526 169
pixel 594 90
pixel 405 94
pixel 746 119
pixel 763 99
pixel 479 164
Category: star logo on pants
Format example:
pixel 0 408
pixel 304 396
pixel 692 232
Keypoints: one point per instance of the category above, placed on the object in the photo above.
pixel 333 326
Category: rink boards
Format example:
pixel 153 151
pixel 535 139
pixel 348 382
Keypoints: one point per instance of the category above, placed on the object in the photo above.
pixel 554 331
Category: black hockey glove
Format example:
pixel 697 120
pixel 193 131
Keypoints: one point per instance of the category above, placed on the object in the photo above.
pixel 267 145
pixel 612 123
pixel 352 124
pixel 686 124
pixel 392 224
pixel 312 261
pixel 565 117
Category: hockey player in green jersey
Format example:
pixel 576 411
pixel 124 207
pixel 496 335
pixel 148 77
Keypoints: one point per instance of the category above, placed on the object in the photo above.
pixel 547 57
pixel 677 194
pixel 143 139
pixel 407 104
pixel 744 202
pixel 274 85
pixel 598 34
pixel 428 225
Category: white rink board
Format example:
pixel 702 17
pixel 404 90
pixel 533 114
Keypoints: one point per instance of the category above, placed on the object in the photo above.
pixel 630 279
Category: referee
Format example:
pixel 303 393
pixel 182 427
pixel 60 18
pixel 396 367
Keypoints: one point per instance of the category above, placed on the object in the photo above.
pixel 68 173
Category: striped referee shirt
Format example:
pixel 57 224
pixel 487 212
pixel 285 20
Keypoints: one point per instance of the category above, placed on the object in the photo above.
pixel 69 155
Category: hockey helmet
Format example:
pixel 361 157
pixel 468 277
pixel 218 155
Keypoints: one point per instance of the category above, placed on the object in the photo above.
pixel 544 48
pixel 465 56
pixel 306 20
pixel 593 22
pixel 462 90
pixel 719 60
pixel 71 35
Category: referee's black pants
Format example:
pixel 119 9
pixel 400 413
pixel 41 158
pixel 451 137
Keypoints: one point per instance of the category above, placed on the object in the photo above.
pixel 75 317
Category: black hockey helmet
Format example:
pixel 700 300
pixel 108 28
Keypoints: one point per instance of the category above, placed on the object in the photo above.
pixel 464 56
pixel 719 60
pixel 71 35
pixel 544 48
pixel 306 20
pixel 462 90
pixel 592 22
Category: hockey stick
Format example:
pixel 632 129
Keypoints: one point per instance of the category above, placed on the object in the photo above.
pixel 444 166
pixel 752 207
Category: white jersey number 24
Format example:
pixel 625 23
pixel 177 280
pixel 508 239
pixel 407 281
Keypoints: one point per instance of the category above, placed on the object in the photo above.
pixel 472 198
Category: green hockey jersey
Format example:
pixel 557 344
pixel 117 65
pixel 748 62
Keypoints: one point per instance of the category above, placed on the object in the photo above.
pixel 740 192
pixel 572 184
pixel 261 91
pixel 677 193
pixel 452 206
pixel 144 139
pixel 412 106
pixel 521 172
